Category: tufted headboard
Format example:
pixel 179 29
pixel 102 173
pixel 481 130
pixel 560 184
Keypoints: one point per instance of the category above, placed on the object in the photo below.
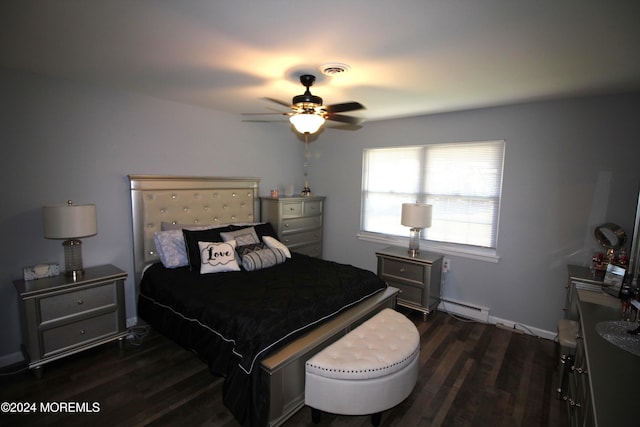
pixel 186 200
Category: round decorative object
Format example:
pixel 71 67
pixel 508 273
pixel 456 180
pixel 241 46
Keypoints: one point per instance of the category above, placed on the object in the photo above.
pixel 617 333
pixel 610 235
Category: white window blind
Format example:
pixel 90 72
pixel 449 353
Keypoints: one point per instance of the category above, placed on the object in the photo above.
pixel 463 182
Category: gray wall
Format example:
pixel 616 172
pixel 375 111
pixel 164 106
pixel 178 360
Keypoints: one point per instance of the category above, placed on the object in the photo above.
pixel 65 141
pixel 569 166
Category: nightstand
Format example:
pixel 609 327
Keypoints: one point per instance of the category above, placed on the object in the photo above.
pixel 61 316
pixel 418 278
pixel 297 221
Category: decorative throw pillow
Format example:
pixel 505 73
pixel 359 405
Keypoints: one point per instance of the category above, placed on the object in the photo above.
pixel 217 257
pixel 263 258
pixel 243 237
pixel 192 238
pixel 243 250
pixel 274 243
pixel 171 248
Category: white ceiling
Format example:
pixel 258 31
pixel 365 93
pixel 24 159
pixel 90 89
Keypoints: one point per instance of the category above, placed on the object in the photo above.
pixel 407 57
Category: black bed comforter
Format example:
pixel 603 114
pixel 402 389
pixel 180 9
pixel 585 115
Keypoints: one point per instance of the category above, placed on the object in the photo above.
pixel 234 319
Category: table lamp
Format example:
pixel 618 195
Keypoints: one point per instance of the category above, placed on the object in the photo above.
pixel 70 222
pixel 417 216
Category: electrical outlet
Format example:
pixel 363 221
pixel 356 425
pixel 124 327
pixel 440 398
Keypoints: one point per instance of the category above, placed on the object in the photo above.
pixel 446 265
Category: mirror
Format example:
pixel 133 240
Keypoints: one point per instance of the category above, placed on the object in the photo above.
pixel 610 236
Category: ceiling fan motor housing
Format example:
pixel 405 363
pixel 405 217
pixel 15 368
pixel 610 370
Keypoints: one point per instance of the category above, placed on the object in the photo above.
pixel 307 98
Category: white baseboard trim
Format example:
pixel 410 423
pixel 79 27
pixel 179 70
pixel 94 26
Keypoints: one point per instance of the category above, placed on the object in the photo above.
pixel 481 314
pixel 529 330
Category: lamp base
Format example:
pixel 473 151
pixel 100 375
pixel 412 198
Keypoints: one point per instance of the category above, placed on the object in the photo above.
pixel 414 241
pixel 73 258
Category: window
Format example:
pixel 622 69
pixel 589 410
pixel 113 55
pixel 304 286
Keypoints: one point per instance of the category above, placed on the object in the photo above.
pixel 462 181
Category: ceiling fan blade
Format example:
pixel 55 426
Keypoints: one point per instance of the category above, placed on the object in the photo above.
pixel 263 114
pixel 345 106
pixel 344 126
pixel 277 101
pixel 344 119
pixel 263 121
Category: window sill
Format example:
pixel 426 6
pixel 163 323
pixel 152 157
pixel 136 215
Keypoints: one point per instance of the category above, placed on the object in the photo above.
pixel 461 251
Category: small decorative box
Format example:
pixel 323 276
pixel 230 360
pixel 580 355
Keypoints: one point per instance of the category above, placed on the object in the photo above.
pixel 40 271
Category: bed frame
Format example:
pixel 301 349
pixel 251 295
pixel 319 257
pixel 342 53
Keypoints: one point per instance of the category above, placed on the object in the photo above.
pixel 218 200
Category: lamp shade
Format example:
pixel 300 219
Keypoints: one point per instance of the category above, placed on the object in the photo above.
pixel 69 221
pixel 307 122
pixel 416 215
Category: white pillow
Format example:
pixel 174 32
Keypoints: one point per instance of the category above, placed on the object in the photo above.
pixel 171 248
pixel 274 243
pixel 243 237
pixel 216 257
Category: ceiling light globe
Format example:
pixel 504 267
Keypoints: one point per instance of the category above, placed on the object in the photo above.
pixel 307 122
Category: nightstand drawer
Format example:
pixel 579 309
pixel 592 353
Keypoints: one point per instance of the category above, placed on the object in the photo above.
pixel 71 303
pixel 78 333
pixel 402 270
pixel 291 209
pixel 408 292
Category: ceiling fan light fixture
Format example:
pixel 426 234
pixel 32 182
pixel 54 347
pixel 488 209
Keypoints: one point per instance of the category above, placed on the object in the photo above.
pixel 307 122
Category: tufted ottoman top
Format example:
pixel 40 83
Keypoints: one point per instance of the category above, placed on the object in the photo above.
pixel 382 345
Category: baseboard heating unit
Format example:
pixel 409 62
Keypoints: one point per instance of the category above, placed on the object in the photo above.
pixel 464 309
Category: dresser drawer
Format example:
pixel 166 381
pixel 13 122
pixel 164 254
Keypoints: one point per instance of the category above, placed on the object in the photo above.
pixel 76 302
pixel 312 208
pixel 305 223
pixel 293 209
pixel 402 270
pixel 78 333
pixel 302 238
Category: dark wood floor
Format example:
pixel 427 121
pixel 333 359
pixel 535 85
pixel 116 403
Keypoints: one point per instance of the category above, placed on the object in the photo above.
pixel 470 375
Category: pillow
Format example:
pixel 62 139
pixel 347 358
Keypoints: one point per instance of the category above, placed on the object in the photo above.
pixel 244 236
pixel 274 243
pixel 263 258
pixel 171 248
pixel 243 250
pixel 265 229
pixel 217 257
pixel 192 237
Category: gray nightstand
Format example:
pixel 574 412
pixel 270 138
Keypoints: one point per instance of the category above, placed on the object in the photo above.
pixel 62 317
pixel 418 278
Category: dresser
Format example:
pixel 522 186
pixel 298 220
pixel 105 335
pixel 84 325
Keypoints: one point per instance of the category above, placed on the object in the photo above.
pixel 603 381
pixel 298 221
pixel 61 316
pixel 418 277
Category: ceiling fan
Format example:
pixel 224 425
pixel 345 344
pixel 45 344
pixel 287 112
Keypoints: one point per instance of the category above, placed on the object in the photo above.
pixel 308 114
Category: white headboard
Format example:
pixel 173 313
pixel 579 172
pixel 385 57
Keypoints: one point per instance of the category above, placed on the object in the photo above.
pixel 186 200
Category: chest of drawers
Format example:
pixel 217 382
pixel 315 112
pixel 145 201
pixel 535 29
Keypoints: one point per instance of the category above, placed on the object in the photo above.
pixel 61 316
pixel 297 220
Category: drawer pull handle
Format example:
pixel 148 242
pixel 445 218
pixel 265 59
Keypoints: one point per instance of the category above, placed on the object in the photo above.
pixel 286 225
pixel 80 302
pixel 82 332
pixel 402 270
pixel 292 209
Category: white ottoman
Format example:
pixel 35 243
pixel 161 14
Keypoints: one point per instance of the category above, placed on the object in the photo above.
pixel 369 370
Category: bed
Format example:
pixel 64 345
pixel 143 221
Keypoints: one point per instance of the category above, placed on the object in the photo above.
pixel 255 324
